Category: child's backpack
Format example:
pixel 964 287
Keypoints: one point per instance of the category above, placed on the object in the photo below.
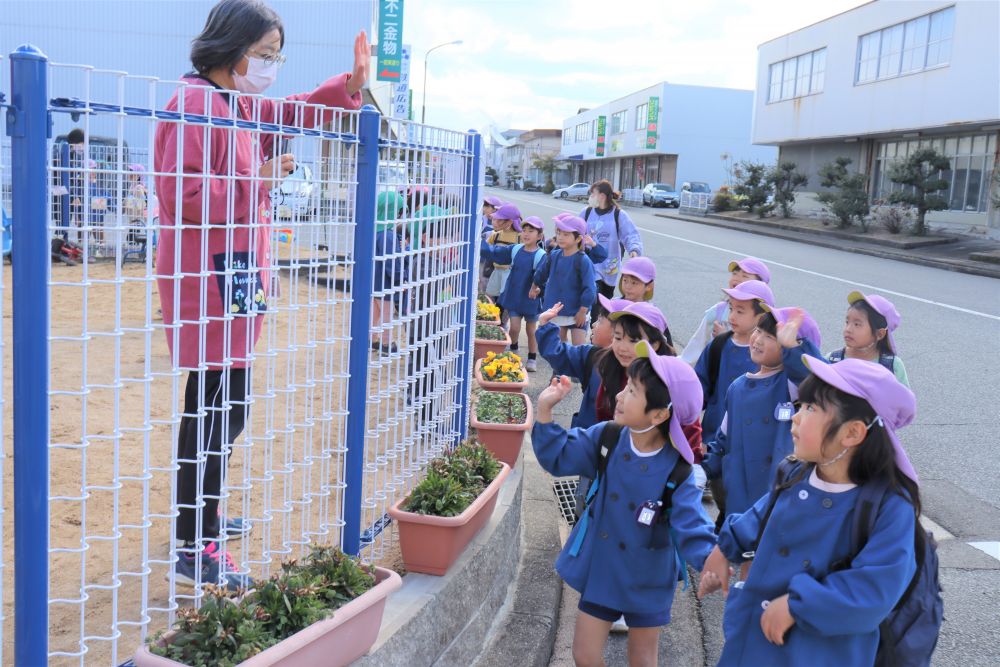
pixel 715 361
pixel 909 634
pixel 535 262
pixel 887 361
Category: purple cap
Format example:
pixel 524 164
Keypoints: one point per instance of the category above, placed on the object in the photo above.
pixel 752 265
pixel 571 223
pixel 508 212
pixel 892 401
pixel 613 305
pixel 809 329
pixel 534 221
pixel 884 308
pixel 752 290
pixel 644 311
pixel 136 167
pixel 493 201
pixel 560 216
pixel 639 267
pixel 686 397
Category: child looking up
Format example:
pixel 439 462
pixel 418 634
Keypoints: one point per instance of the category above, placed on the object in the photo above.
pixel 638 276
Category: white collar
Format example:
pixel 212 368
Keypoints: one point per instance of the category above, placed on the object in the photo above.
pixel 641 455
pixel 829 487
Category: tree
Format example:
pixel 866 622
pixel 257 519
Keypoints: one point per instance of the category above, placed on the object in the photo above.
pixel 920 173
pixel 548 165
pixel 784 179
pixel 752 187
pixel 848 199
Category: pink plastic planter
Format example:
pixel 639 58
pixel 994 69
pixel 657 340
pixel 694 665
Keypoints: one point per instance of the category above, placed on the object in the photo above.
pixel 482 346
pixel 335 642
pixel 504 440
pixel 491 385
pixel 430 544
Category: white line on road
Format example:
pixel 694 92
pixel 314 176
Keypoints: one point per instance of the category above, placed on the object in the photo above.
pixel 812 273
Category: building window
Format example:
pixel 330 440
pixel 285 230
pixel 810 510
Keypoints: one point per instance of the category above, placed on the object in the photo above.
pixel 582 130
pixel 567 137
pixel 968 179
pixel 641 112
pixel 798 76
pixel 912 46
pixel 618 124
pixel 593 129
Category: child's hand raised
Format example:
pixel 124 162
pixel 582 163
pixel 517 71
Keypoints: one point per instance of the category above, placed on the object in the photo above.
pixel 715 575
pixel 788 331
pixel 558 389
pixel 547 315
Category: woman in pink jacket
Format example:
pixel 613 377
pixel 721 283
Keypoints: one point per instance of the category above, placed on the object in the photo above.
pixel 213 255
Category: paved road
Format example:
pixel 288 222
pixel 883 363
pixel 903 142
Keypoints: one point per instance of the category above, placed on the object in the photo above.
pixel 949 340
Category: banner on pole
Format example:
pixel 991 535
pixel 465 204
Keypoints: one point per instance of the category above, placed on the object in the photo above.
pixel 390 36
pixel 401 91
pixel 652 122
pixel 602 125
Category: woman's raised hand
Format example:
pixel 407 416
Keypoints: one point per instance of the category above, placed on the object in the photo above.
pixel 274 170
pixel 362 64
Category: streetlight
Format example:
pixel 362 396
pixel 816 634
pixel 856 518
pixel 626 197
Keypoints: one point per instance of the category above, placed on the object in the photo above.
pixel 423 109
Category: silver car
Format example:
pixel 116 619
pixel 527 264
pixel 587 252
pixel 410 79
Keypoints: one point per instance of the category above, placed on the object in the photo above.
pixel 575 190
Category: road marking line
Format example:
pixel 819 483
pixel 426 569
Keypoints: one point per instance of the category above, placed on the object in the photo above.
pixel 807 271
pixel 989 548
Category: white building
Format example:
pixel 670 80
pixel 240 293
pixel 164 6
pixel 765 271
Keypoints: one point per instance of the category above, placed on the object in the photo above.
pixel 518 163
pixel 698 133
pixel 881 80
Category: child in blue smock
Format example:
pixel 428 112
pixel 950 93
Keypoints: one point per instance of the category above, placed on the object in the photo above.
pixel 716 319
pixel 755 434
pixel 621 557
pixel 868 328
pixel 567 277
pixel 389 270
pixel 523 258
pixel 490 205
pixel 807 600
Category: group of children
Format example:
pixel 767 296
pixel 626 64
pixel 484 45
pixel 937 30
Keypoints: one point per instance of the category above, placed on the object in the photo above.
pixel 792 444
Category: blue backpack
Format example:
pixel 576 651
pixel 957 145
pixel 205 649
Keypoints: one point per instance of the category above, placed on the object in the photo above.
pixel 909 634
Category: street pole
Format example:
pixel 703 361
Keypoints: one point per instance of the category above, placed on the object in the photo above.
pixel 423 106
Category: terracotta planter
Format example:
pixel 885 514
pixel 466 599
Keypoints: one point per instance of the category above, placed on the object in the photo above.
pixel 496 322
pixel 498 386
pixel 504 440
pixel 335 642
pixel 430 544
pixel 482 346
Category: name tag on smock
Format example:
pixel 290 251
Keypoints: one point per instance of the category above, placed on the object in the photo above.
pixel 783 412
pixel 648 512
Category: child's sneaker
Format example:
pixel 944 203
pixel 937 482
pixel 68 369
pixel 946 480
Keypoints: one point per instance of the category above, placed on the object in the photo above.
pixel 531 365
pixel 209 562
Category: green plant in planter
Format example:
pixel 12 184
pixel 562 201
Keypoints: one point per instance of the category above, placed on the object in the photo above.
pixel 496 407
pixel 489 332
pixel 454 481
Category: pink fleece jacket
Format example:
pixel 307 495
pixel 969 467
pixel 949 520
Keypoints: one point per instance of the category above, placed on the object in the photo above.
pixel 213 254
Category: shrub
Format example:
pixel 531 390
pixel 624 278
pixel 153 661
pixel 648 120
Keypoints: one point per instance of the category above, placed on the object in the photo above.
pixel 724 200
pixel 848 201
pixel 920 173
pixel 498 407
pixel 894 219
pixel 752 187
pixel 784 180
pixel 489 332
pixel 453 481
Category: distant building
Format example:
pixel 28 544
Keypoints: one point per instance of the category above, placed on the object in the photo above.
pixel 696 133
pixel 518 163
pixel 879 81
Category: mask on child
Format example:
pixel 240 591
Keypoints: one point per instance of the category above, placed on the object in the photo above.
pixel 260 75
pixel 592 201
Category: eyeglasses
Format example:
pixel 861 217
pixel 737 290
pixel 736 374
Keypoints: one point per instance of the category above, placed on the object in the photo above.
pixel 269 58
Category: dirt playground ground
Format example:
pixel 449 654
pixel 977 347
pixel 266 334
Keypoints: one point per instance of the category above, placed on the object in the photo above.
pixel 114 413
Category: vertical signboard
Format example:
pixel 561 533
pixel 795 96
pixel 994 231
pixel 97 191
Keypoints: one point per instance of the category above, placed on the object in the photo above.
pixel 602 126
pixel 652 118
pixel 401 91
pixel 390 37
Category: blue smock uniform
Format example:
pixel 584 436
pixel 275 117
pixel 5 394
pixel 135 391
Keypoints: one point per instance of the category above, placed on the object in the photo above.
pixel 514 296
pixel 837 614
pixel 747 451
pixel 621 563
pixel 571 360
pixel 733 362
pixel 390 265
pixel 569 280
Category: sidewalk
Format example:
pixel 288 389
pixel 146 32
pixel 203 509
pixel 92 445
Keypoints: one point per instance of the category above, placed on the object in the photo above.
pixel 976 256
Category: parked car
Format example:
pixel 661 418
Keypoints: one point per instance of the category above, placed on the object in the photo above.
pixel 490 181
pixel 294 197
pixel 660 194
pixel 575 190
pixel 697 187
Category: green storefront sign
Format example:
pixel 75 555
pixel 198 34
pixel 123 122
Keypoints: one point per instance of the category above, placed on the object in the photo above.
pixel 390 40
pixel 602 124
pixel 652 117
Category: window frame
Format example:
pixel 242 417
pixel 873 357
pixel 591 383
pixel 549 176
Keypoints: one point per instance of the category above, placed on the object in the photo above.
pixel 891 64
pixel 784 74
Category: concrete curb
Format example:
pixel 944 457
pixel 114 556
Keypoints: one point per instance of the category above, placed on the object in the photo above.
pixel 526 633
pixel 445 621
pixel 818 240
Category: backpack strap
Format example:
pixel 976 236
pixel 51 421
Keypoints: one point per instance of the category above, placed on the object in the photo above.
pixel 789 472
pixel 681 471
pixel 888 361
pixel 607 442
pixel 715 361
pixel 836 355
pixel 588 367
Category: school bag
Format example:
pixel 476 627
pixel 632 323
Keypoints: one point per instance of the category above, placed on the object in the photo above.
pixel 887 361
pixel 535 262
pixel 715 361
pixel 909 634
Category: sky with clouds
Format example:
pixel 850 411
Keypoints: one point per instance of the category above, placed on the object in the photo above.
pixel 532 63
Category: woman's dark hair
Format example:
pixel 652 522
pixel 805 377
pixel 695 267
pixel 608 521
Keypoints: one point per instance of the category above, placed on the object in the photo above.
pixel 768 324
pixel 611 372
pixel 876 321
pixel 657 394
pixel 231 28
pixel 604 187
pixel 875 457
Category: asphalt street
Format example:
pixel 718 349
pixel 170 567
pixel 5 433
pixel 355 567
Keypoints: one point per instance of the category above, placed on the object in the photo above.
pixel 948 339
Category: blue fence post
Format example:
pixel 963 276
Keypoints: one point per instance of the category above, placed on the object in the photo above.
pixel 473 145
pixel 361 317
pixel 29 128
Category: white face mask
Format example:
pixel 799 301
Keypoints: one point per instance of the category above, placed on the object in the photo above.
pixel 593 201
pixel 258 78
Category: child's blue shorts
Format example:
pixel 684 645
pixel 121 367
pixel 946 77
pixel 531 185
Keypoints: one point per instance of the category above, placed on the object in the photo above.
pixel 527 318
pixel 631 620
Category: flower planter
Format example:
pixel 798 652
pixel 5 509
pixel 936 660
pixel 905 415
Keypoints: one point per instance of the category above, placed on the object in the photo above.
pixel 496 322
pixel 482 345
pixel 504 440
pixel 490 385
pixel 430 544
pixel 334 642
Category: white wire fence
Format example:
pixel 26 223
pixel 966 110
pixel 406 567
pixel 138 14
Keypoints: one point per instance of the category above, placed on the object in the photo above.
pixel 237 363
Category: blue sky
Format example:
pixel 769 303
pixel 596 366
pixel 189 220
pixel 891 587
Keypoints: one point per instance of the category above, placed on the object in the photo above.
pixel 532 63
